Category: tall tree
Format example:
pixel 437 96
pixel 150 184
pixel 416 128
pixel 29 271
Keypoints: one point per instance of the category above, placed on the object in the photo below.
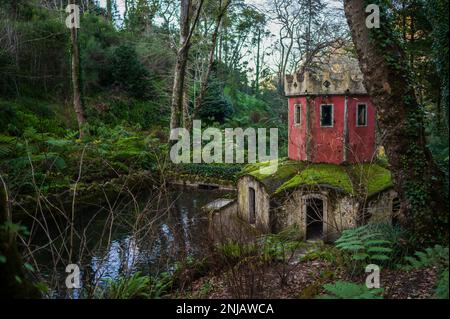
pixel 386 71
pixel 222 9
pixel 76 87
pixel 109 12
pixel 306 29
pixel 186 30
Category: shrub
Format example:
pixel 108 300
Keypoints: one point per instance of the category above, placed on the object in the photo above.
pixel 215 106
pixel 234 251
pixel 281 246
pixel 127 72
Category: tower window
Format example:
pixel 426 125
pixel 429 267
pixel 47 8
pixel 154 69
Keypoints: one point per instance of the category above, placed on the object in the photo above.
pixel 326 115
pixel 361 119
pixel 297 113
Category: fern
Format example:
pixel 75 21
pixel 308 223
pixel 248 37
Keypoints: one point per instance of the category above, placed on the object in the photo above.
pixel 437 255
pixel 365 245
pixel 6 145
pixel 135 286
pixel 442 286
pixel 349 290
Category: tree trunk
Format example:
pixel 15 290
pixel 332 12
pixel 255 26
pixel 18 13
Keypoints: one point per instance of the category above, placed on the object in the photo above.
pixel 13 283
pixel 109 10
pixel 186 116
pixel 180 67
pixel 204 82
pixel 77 105
pixel 258 66
pixel 417 179
pixel 182 55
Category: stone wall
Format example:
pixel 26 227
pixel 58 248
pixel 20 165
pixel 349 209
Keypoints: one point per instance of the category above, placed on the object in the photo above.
pixel 379 207
pixel 225 225
pixel 262 202
pixel 340 211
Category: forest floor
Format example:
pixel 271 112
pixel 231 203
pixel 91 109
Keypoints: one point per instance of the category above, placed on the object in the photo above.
pixel 306 280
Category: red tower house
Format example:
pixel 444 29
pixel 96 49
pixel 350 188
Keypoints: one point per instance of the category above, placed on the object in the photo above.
pixel 331 117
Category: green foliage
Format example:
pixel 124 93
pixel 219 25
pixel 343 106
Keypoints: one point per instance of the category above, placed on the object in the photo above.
pixel 127 72
pixel 365 245
pixel 432 256
pixel 267 248
pixel 326 252
pixel 234 251
pixel 216 106
pixel 371 178
pixel 320 174
pixel 349 290
pixel 245 107
pixel 218 171
pixel 6 145
pixel 206 289
pixel 281 246
pixel 442 285
pixel 136 286
pixel 13 228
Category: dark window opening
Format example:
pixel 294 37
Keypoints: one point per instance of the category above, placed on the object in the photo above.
pixel 208 186
pixel 395 211
pixel 362 115
pixel 364 216
pixel 252 205
pixel 314 218
pixel 326 115
pixel 297 114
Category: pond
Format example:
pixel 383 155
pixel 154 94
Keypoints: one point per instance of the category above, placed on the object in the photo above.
pixel 148 235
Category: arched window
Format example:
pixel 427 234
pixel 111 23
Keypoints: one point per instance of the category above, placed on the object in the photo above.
pixel 251 205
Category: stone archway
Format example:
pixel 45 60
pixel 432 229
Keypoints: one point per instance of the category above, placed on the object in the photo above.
pixel 314 216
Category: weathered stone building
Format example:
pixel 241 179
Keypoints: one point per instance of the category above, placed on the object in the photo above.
pixel 329 181
pixel 320 200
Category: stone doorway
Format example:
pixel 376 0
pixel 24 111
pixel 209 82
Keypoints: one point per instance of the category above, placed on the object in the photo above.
pixel 314 219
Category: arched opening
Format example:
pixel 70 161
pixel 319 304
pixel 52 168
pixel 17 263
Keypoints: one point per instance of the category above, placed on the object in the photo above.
pixel 314 218
pixel 251 205
pixel 395 211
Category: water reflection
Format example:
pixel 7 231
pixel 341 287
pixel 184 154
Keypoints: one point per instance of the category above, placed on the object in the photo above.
pixel 130 244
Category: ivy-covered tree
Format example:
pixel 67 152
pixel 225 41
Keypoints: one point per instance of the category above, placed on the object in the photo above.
pixel 387 77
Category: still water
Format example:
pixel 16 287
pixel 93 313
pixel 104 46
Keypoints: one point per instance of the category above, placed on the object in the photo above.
pixel 148 235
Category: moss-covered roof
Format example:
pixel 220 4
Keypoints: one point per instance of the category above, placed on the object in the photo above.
pixel 365 179
pixel 286 170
